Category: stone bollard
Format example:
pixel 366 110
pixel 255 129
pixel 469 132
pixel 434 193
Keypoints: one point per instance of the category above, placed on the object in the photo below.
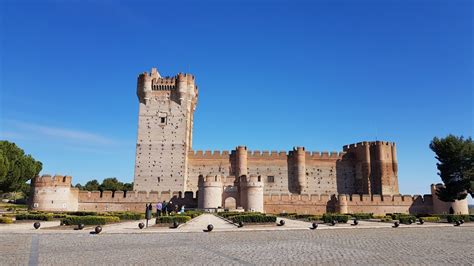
pixel 210 227
pixel 314 226
pixel 333 222
pixel 421 221
pixel 457 223
pixel 241 224
pixel 175 224
pixel 37 225
pixel 141 225
pixel 355 222
pixel 282 222
pixel 80 226
pixel 98 229
pixel 396 224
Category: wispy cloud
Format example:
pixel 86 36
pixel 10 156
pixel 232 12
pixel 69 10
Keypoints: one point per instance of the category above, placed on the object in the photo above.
pixel 60 133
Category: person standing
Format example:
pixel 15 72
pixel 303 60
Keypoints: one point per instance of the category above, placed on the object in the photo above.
pixel 159 208
pixel 164 207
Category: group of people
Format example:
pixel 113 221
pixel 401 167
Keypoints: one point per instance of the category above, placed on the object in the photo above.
pixel 164 208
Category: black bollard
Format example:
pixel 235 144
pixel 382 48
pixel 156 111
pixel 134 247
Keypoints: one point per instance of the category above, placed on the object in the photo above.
pixel 314 226
pixel 333 222
pixel 37 225
pixel 421 221
pixel 80 226
pixel 98 229
pixel 141 225
pixel 457 223
pixel 396 224
pixel 175 224
pixel 355 222
pixel 462 221
pixel 210 227
pixel 282 222
pixel 241 224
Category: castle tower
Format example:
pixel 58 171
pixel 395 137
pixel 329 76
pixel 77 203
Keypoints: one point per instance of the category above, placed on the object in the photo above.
pixel 251 193
pixel 376 167
pixel 165 121
pixel 300 167
pixel 210 192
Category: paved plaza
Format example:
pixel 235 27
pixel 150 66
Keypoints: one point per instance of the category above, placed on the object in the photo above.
pixel 369 245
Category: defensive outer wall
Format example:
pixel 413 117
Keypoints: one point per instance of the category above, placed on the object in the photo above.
pixel 54 193
pixel 363 177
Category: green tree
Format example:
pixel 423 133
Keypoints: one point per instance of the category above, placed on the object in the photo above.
pixel 127 186
pixel 456 166
pixel 92 185
pixel 112 184
pixel 16 168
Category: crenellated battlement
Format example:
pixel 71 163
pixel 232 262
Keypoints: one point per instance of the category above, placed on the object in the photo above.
pixel 368 143
pixel 208 155
pixel 52 181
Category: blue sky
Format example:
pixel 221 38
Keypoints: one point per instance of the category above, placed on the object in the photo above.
pixel 271 75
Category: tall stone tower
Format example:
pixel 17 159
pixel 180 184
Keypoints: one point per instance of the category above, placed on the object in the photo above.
pixel 165 123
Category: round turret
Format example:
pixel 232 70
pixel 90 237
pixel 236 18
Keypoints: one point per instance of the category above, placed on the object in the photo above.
pixel 342 203
pixel 252 193
pixel 53 194
pixel 441 207
pixel 210 189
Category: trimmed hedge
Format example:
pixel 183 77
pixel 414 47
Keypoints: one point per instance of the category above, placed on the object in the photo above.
pixel 362 216
pixel 230 214
pixel 125 215
pixel 193 214
pixel 340 218
pixel 172 219
pixel 254 218
pixel 405 219
pixel 6 220
pixel 396 216
pixel 89 220
pixel 82 213
pixel 431 219
pixel 452 218
pixel 31 216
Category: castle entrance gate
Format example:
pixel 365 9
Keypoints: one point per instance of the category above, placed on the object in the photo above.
pixel 230 203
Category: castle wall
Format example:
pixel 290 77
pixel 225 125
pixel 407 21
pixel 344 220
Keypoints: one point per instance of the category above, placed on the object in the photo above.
pixel 130 201
pixel 320 204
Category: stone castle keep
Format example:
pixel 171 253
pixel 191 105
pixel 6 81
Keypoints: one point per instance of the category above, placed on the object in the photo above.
pixel 361 178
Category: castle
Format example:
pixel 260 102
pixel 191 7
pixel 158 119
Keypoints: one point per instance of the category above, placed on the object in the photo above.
pixel 361 178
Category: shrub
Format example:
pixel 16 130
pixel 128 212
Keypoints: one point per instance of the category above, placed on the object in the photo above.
pixel 193 214
pixel 254 218
pixel 82 213
pixel 290 214
pixel 230 214
pixel 172 219
pixel 362 216
pixel 125 215
pixel 452 218
pixel 431 219
pixel 386 218
pixel 340 218
pixel 59 215
pixel 32 216
pixel 405 219
pixel 396 216
pixel 6 220
pixel 89 220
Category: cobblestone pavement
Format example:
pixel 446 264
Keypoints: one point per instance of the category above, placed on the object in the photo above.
pixel 433 245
